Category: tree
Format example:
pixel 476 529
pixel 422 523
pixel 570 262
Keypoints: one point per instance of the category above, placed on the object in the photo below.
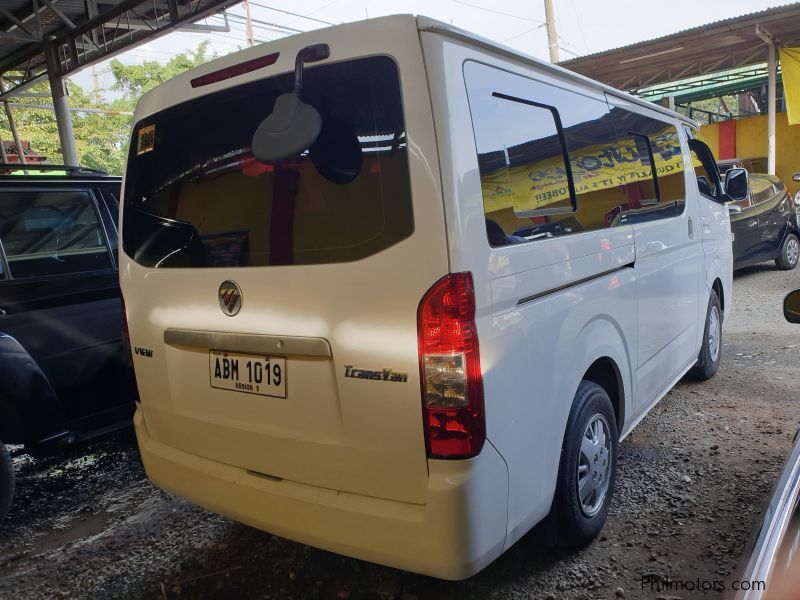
pixel 135 80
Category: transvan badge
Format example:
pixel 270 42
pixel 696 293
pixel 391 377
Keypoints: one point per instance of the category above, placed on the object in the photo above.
pixel 230 298
pixel 382 375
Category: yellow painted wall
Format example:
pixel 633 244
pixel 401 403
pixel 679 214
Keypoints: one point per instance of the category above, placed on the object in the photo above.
pixel 710 135
pixel 751 140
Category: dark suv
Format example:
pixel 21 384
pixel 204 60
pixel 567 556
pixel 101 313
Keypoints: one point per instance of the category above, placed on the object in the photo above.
pixel 65 374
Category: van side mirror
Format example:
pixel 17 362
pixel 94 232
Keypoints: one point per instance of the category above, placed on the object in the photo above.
pixel 796 177
pixel 791 307
pixel 737 184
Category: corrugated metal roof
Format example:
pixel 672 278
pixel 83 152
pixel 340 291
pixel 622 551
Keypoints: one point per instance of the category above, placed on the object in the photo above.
pixel 717 46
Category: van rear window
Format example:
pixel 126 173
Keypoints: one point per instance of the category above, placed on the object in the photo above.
pixel 195 195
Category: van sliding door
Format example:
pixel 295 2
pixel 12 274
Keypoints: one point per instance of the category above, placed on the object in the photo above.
pixel 668 246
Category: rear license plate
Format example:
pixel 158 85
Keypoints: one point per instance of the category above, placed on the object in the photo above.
pixel 249 373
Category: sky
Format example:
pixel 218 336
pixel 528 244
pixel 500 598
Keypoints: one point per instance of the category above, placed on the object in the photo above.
pixel 583 26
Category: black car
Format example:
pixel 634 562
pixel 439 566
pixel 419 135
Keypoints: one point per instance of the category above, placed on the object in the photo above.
pixel 65 374
pixel 765 225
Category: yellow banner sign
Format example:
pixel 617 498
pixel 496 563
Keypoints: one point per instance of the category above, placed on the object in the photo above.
pixel 544 184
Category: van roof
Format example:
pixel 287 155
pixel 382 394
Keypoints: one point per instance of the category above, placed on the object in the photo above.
pixel 433 25
pixel 164 95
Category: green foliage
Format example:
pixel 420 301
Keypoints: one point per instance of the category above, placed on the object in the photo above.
pixel 100 139
pixel 135 80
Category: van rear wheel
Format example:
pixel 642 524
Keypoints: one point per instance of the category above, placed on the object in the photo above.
pixel 710 355
pixel 6 481
pixel 588 467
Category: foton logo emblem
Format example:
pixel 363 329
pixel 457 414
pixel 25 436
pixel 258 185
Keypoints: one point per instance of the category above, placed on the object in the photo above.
pixel 230 298
pixel 143 352
pixel 382 375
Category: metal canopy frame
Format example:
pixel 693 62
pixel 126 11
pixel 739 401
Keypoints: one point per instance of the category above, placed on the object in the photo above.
pixel 723 82
pixel 83 32
pixel 728 44
pixel 52 39
pixel 703 50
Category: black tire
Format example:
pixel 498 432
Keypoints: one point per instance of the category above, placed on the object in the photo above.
pixel 574 528
pixel 6 481
pixel 707 364
pixel 790 253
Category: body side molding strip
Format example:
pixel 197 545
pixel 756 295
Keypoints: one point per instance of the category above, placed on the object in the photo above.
pixel 578 282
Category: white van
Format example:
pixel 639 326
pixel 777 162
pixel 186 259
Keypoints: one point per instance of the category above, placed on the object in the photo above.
pixel 398 292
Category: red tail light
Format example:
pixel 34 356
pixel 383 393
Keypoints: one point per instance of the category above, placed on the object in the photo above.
pixel 450 369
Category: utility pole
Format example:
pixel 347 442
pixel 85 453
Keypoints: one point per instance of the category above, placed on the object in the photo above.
pixel 552 41
pixel 95 85
pixel 249 25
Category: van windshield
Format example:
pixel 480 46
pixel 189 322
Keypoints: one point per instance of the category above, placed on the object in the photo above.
pixel 195 196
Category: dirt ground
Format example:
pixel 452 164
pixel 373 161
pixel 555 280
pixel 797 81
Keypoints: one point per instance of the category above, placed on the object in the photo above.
pixel 693 480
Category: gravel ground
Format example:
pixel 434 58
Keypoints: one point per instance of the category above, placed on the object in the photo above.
pixel 693 479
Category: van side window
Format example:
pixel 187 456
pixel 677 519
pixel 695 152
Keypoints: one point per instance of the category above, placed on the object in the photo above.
pixel 522 129
pixel 705 183
pixel 520 134
pixel 51 233
pixel 669 166
pixel 652 158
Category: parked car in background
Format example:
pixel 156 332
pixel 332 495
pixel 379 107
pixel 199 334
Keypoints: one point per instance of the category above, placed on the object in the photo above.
pixel 765 225
pixel 751 165
pixel 64 372
pixel 771 568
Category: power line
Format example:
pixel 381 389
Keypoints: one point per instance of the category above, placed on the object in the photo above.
pixel 580 27
pixel 321 8
pixel 287 12
pixel 513 37
pixel 267 24
pixel 498 12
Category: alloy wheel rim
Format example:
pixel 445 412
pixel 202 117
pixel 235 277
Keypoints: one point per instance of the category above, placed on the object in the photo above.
pixel 713 333
pixel 594 465
pixel 793 251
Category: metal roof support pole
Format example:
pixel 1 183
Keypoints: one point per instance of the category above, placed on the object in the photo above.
pixel 12 125
pixel 771 67
pixel 58 90
pixel 772 70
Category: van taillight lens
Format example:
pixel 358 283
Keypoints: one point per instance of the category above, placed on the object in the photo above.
pixel 450 369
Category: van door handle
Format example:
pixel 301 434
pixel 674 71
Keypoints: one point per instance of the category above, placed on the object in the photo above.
pixel 691 228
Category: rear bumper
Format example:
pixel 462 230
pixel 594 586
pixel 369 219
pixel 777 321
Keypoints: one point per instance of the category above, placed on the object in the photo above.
pixel 460 529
